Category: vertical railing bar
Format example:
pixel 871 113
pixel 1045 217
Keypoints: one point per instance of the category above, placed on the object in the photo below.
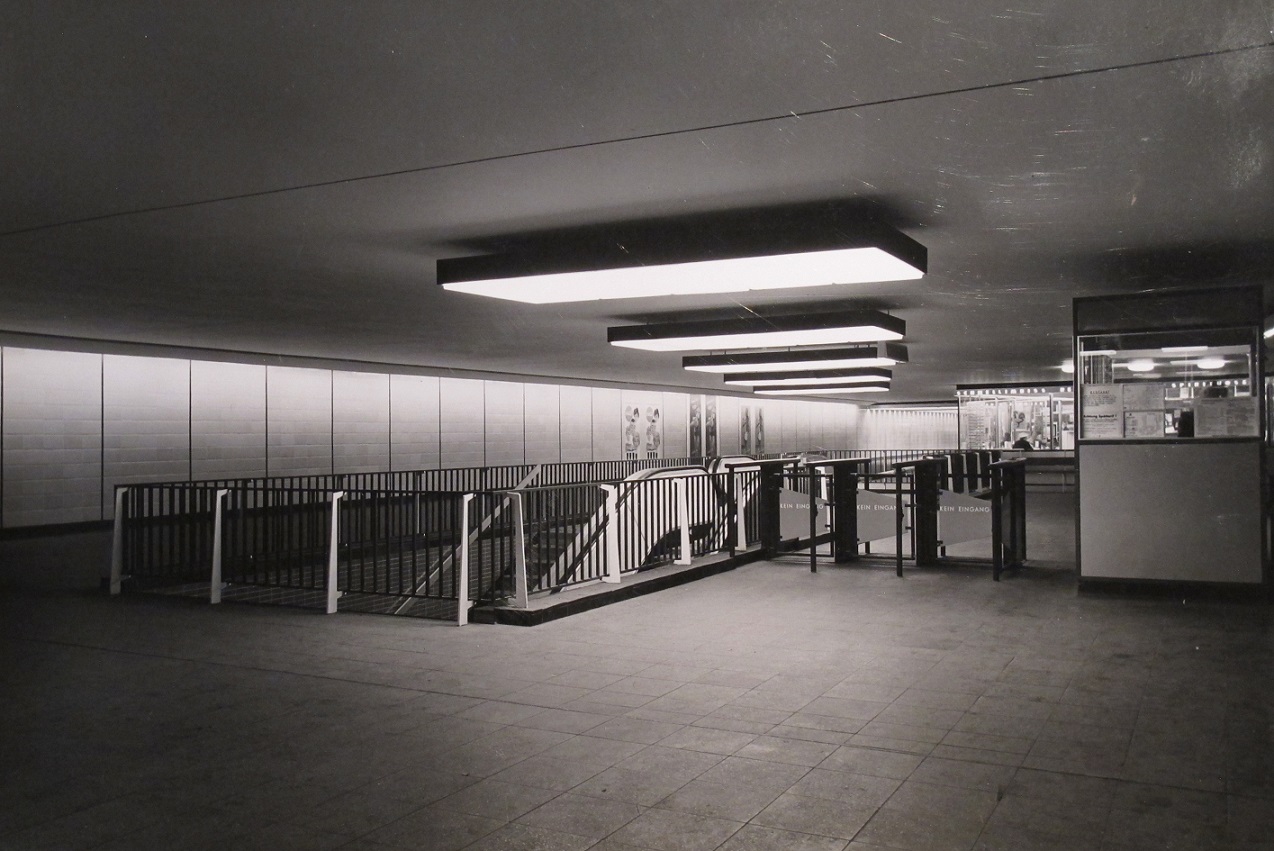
pixel 333 592
pixel 214 590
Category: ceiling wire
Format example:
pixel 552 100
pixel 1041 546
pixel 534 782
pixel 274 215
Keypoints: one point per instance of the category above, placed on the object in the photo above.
pixel 786 116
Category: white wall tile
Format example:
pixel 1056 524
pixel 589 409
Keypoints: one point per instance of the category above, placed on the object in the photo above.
pixel 541 424
pixel 414 435
pixel 461 430
pixel 676 425
pixel 299 421
pixel 52 433
pixel 360 422
pixel 504 427
pixel 227 420
pixel 728 425
pixel 145 422
pixel 575 422
pixel 607 424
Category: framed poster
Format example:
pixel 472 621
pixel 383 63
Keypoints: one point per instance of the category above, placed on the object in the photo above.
pixel 758 432
pixel 710 427
pixel 745 429
pixel 632 438
pixel 696 427
pixel 654 429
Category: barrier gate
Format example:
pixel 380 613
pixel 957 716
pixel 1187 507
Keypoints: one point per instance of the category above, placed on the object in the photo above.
pixel 806 505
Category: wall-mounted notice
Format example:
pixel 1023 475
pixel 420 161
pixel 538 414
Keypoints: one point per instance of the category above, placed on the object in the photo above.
pixel 1103 411
pixel 1144 397
pixel 1233 417
pixel 1143 424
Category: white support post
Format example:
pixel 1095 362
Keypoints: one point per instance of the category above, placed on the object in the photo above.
pixel 462 579
pixel 740 516
pixel 610 535
pixel 519 551
pixel 117 543
pixel 333 552
pixel 214 585
pixel 683 517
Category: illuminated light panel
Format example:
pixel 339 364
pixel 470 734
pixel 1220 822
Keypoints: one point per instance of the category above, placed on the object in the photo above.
pixel 755 332
pixel 881 354
pixel 820 389
pixel 1211 363
pixel 1140 365
pixel 807 377
pixel 741 274
pixel 1176 349
pixel 1068 367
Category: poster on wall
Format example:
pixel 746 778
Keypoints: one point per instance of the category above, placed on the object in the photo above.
pixel 654 431
pixel 710 427
pixel 1103 411
pixel 745 429
pixel 632 431
pixel 696 427
pixel 758 432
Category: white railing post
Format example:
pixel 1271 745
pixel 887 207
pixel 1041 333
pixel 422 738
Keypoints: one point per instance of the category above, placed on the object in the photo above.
pixel 214 585
pixel 519 551
pixel 462 578
pixel 117 543
pixel 610 534
pixel 333 553
pixel 683 517
pixel 740 515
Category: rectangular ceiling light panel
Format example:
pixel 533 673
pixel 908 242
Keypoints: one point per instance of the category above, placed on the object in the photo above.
pixel 809 377
pixel 740 274
pixel 881 354
pixel 820 389
pixel 756 332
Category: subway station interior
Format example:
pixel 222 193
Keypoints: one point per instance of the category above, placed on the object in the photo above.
pixel 717 426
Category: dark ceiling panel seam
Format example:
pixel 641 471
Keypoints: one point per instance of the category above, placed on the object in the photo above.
pixel 981 87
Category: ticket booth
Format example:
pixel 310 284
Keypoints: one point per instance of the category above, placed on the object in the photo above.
pixel 1170 418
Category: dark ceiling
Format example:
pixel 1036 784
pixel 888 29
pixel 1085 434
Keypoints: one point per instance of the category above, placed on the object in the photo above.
pixel 279 177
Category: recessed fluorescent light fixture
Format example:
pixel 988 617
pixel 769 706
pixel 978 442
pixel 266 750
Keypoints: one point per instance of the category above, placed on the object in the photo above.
pixel 1210 363
pixel 1140 365
pixel 756 332
pixel 1175 349
pixel 809 376
pixel 1068 367
pixel 820 389
pixel 881 354
pixel 690 256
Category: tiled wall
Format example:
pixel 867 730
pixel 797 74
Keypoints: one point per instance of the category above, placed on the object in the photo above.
pixel 541 424
pixel 145 422
pixel 52 437
pixel 76 424
pixel 360 422
pixel 227 420
pixel 909 428
pixel 413 423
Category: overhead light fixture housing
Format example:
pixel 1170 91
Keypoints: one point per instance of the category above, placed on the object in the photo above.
pixel 807 377
pixel 880 354
pixel 755 332
pixel 758 250
pixel 820 389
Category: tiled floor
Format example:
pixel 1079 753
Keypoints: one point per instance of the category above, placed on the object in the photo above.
pixel 766 708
